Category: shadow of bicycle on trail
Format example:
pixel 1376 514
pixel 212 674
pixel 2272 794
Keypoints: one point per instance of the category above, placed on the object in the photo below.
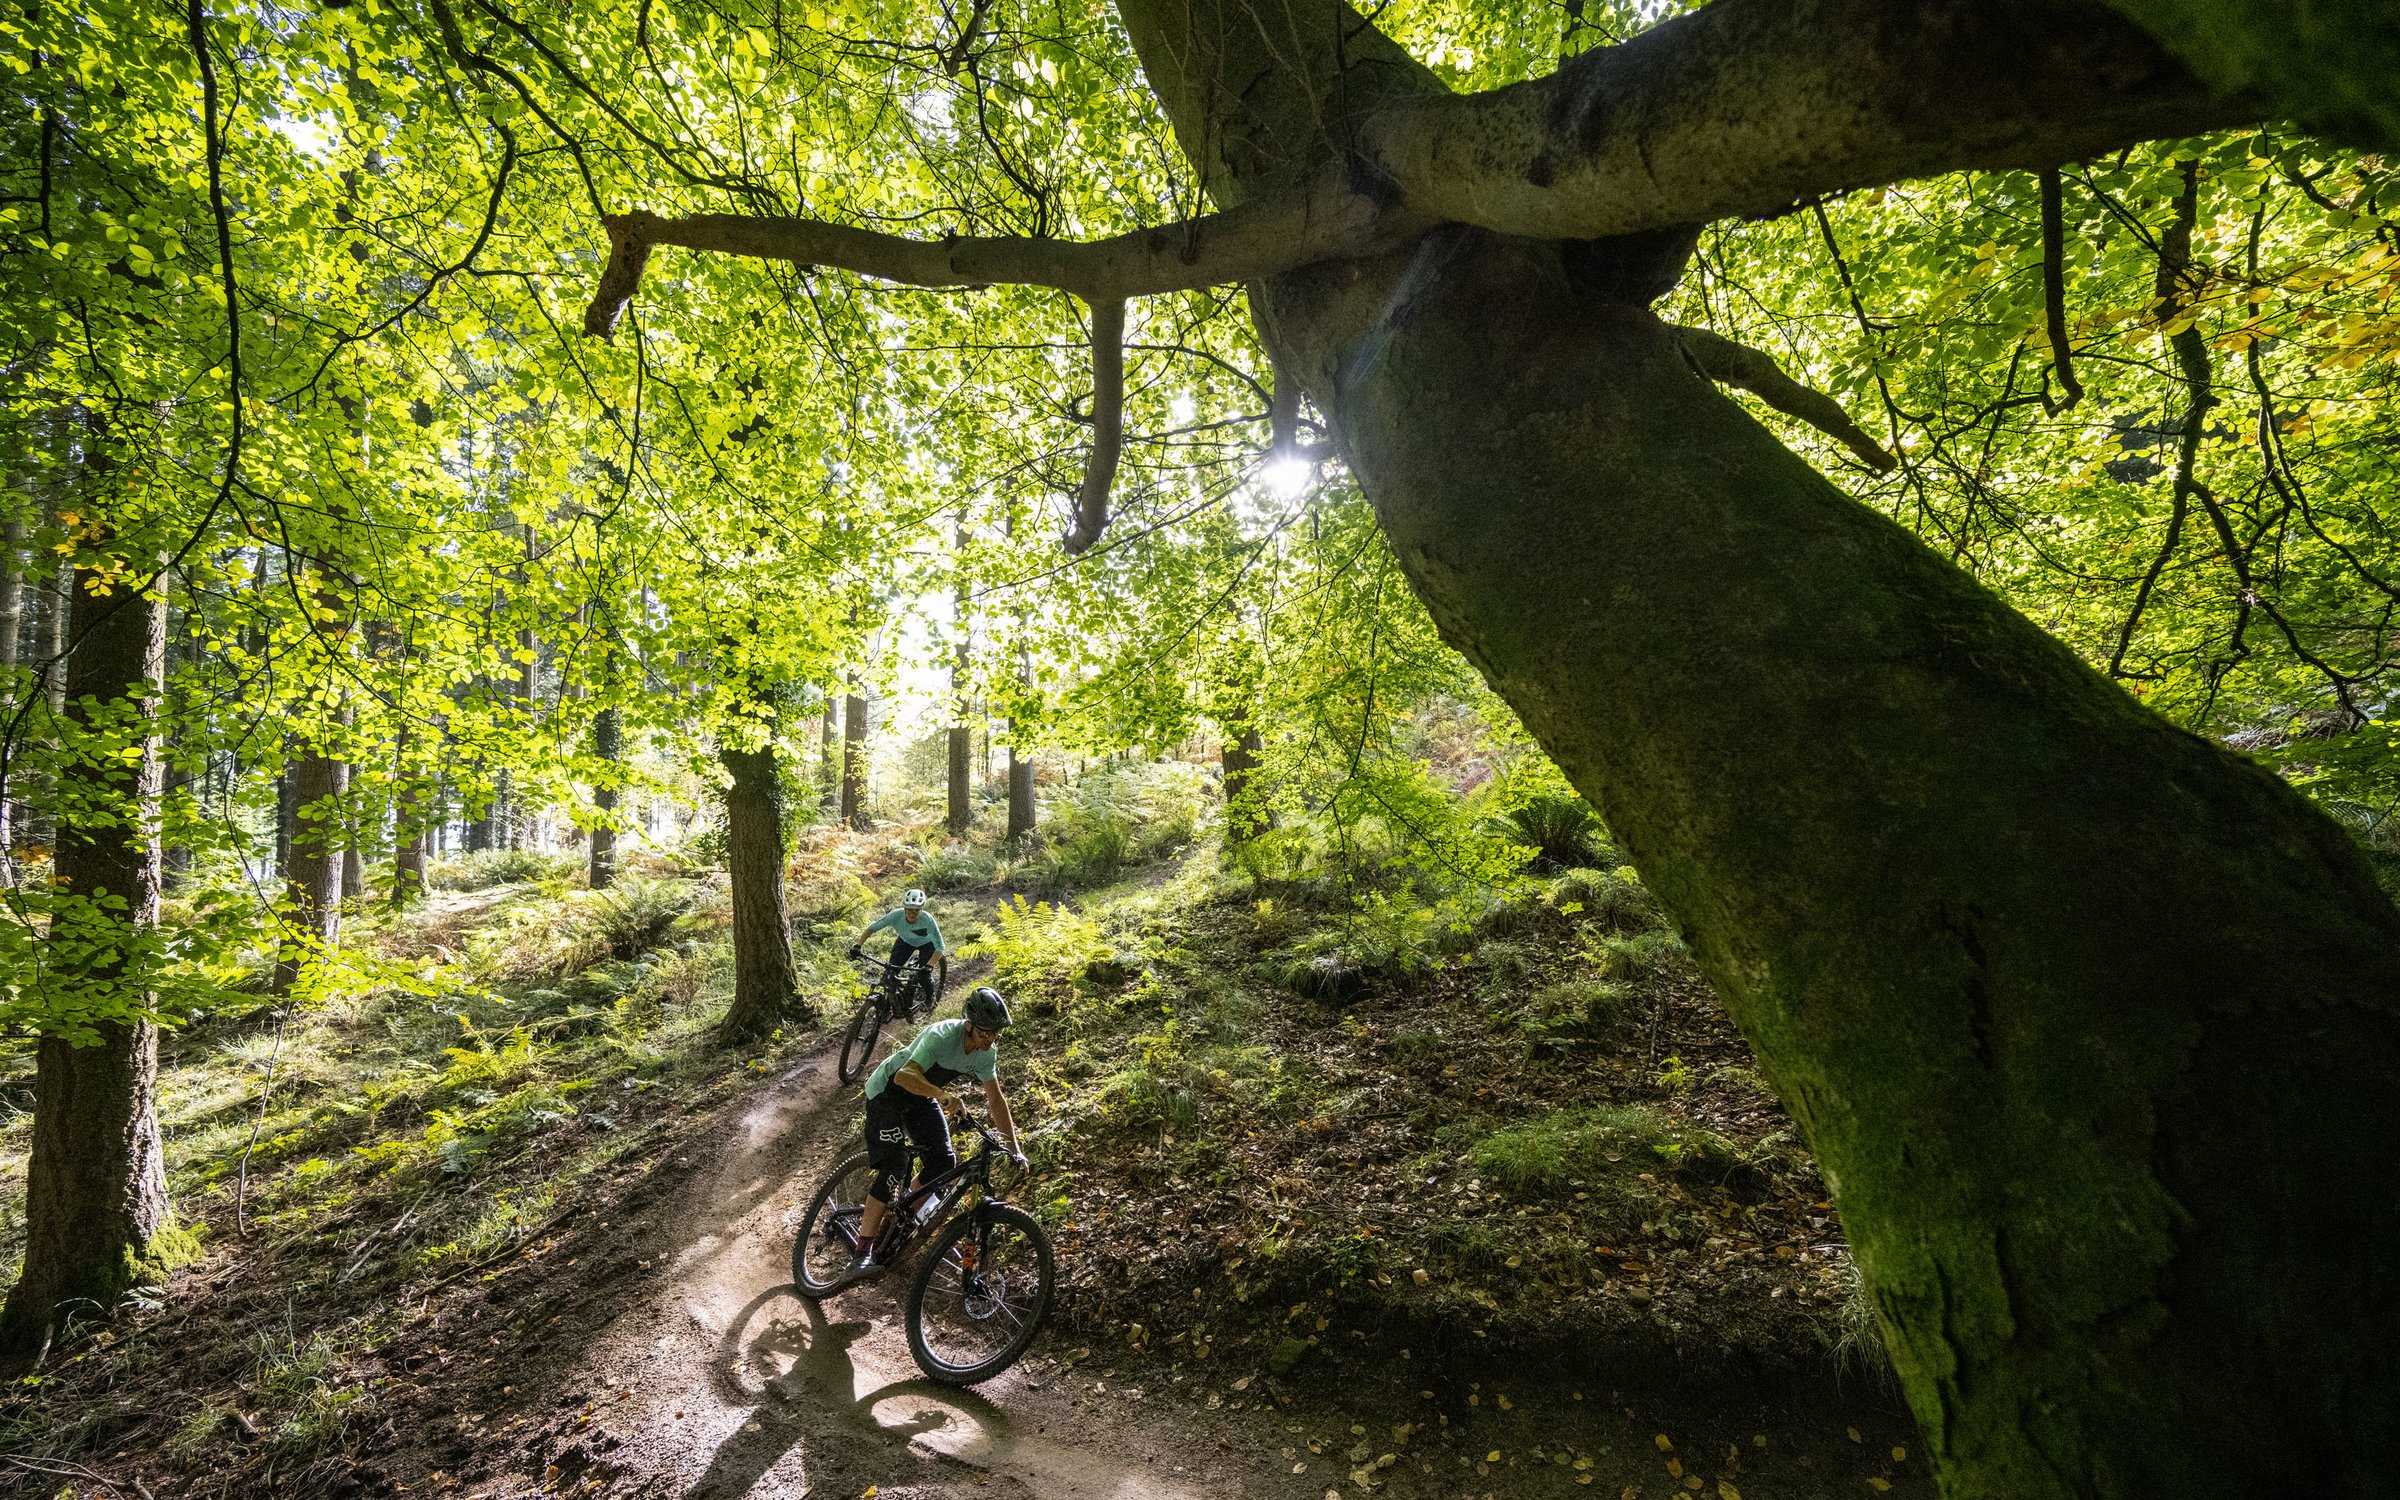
pixel 799 1374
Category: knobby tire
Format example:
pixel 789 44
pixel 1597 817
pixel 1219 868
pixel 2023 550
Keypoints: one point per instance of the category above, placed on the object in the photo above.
pixel 810 1285
pixel 942 1255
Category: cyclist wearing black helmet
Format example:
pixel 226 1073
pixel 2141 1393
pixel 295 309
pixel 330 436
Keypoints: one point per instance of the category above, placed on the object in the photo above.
pixel 908 1100
pixel 916 936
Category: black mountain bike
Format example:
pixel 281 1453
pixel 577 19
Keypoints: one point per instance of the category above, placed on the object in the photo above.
pixel 894 992
pixel 987 1277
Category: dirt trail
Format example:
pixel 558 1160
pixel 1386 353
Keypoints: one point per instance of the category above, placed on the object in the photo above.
pixel 669 1357
pixel 720 1382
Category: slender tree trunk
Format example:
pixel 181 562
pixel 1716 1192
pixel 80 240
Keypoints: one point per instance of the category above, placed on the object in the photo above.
pixel 829 765
pixel 962 739
pixel 854 757
pixel 2094 1027
pixel 97 1217
pixel 1021 810
pixel 766 983
pixel 608 747
pixel 12 620
pixel 409 823
pixel 287 821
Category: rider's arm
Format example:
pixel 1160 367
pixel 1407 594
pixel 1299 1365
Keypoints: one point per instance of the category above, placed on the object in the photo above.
pixel 912 1078
pixel 997 1102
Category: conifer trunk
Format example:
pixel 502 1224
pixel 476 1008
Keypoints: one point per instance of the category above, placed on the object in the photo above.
pixel 766 984
pixel 96 1210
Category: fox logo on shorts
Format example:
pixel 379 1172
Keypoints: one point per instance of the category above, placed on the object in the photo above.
pixel 892 1135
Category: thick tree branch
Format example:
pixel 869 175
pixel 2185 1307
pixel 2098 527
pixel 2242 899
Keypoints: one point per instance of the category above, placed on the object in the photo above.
pixel 1729 363
pixel 1747 106
pixel 1330 222
pixel 1743 107
pixel 1108 424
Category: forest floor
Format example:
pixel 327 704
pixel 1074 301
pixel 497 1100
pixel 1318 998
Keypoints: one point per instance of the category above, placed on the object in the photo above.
pixel 1497 1211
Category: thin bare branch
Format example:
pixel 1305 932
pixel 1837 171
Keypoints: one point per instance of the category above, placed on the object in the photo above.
pixel 2054 288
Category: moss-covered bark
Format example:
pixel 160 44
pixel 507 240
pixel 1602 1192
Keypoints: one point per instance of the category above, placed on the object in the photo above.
pixel 2091 1024
pixel 2331 64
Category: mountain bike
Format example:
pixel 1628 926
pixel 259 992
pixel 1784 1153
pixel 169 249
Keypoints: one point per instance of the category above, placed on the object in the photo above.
pixel 987 1276
pixel 907 990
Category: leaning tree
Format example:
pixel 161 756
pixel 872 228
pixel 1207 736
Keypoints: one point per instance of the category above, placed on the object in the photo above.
pixel 2089 1022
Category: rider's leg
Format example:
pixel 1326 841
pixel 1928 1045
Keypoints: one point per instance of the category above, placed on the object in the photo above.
pixel 887 1153
pixel 929 1132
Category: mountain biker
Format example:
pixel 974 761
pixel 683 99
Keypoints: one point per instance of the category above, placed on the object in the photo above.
pixel 908 1101
pixel 915 935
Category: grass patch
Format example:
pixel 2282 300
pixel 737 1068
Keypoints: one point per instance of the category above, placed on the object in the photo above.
pixel 1540 1158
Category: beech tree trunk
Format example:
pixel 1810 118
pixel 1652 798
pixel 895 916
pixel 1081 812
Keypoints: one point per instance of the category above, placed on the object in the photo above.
pixel 854 757
pixel 96 1211
pixel 2093 1027
pixel 608 744
pixel 766 983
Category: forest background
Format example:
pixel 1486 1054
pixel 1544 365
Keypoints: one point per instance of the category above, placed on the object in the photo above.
pixel 332 546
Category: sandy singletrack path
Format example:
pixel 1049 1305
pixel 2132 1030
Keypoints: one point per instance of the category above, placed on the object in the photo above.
pixel 715 1380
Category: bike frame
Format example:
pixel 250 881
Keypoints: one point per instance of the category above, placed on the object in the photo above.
pixel 886 989
pixel 902 1216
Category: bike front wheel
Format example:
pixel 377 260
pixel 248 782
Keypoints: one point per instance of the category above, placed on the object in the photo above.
pixel 858 1043
pixel 981 1295
pixel 828 1237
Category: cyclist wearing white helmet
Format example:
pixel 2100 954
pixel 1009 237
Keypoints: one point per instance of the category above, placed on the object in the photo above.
pixel 908 1101
pixel 916 936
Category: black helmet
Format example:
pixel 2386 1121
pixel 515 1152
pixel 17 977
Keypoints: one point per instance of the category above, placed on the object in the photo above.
pixel 985 1010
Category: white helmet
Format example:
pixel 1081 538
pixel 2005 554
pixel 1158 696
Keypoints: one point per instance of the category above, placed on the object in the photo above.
pixel 913 900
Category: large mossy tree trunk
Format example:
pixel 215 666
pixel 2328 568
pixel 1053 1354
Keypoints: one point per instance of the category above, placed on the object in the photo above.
pixel 766 983
pixel 96 1211
pixel 2093 1027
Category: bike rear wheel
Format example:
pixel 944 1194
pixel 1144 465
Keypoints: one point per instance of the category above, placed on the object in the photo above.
pixel 858 1043
pixel 981 1295
pixel 828 1236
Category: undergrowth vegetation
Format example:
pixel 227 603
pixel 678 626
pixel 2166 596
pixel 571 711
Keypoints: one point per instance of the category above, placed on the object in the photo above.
pixel 1334 1095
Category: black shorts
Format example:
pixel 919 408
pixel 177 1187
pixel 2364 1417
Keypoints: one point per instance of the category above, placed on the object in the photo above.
pixel 896 1119
pixel 903 950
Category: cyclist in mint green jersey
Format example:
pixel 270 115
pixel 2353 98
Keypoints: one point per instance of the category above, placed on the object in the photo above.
pixel 915 936
pixel 909 1103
